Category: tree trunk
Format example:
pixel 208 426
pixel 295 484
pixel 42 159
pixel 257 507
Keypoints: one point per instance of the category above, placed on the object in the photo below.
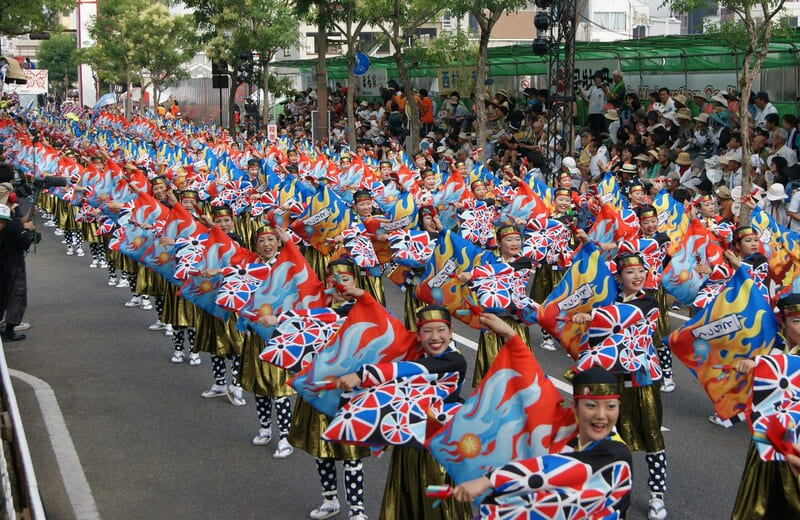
pixel 265 88
pixel 480 81
pixel 411 101
pixel 321 128
pixel 351 113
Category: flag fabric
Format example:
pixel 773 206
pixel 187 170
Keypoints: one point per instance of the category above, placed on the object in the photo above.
pixel 566 489
pixel 299 335
pixel 178 224
pixel 609 227
pixel 369 335
pixel 696 247
pixel 774 408
pixel 672 219
pixel 290 284
pixel 239 283
pixel 535 422
pixel 325 217
pixel 476 224
pixel 737 324
pixel 779 245
pixel 587 284
pixel 360 249
pixel 609 192
pixel 438 284
pixel 411 248
pixel 393 412
pixel 453 191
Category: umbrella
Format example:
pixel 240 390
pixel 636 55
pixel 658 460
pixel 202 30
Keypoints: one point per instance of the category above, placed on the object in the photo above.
pixel 106 99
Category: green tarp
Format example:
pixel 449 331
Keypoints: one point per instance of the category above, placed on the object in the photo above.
pixel 665 54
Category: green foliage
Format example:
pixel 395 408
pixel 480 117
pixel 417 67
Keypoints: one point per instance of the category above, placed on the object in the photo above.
pixel 449 49
pixel 59 56
pixel 24 16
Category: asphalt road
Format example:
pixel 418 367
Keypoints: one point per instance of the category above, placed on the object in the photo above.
pixel 151 447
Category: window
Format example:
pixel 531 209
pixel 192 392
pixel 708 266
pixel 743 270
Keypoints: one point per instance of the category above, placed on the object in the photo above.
pixel 612 21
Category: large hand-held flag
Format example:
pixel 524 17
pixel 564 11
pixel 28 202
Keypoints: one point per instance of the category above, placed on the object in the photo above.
pixel 775 405
pixel 586 285
pixel 369 335
pixel 696 247
pixel 738 324
pixel 534 421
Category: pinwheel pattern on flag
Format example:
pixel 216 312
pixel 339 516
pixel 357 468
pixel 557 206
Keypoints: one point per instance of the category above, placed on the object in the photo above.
pixel 738 324
pixel 360 249
pixel 411 248
pixel 394 412
pixel 587 284
pixel 178 224
pixel 774 409
pixel 299 335
pixel 501 288
pixel 239 284
pixel 696 247
pixel 567 490
pixel 213 253
pixel 369 335
pixel 476 224
pixel 290 284
pixel 325 217
pixel 439 286
pixel 534 421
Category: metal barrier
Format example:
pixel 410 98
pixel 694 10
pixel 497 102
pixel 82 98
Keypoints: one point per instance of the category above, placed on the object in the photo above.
pixel 20 491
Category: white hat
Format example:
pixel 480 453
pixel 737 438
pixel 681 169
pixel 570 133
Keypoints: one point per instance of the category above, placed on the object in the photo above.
pixel 776 192
pixel 714 175
pixel 735 156
pixel 5 212
pixel 719 98
pixel 441 149
pixel 570 165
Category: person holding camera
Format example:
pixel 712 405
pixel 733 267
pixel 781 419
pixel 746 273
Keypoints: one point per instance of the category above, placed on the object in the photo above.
pixel 16 237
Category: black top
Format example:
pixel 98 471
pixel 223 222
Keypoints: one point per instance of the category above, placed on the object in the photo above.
pixel 14 243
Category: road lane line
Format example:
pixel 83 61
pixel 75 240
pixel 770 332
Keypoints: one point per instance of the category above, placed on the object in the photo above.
pixel 561 385
pixel 678 316
pixel 77 487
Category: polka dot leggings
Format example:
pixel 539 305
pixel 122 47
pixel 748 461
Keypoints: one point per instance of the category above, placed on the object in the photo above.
pixel 665 359
pixel 353 482
pixel 178 335
pixel 283 412
pixel 219 369
pixel 97 251
pixel 657 468
pixel 159 306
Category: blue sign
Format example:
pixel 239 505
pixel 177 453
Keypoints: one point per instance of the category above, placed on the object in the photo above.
pixel 362 64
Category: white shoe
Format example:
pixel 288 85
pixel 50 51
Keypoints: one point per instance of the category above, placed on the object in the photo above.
pixel 103 264
pixel 94 264
pixel 79 252
pixel 668 386
pixel 22 326
pixel 214 391
pixel 263 438
pixel 112 281
pixel 235 395
pixel 135 301
pixel 656 509
pixel 177 357
pixel 548 345
pixel 358 516
pixel 719 421
pixel 158 325
pixel 194 359
pixel 329 507
pixel 146 304
pixel 168 330
pixel 122 283
pixel 70 251
pixel 284 450
pixel 59 232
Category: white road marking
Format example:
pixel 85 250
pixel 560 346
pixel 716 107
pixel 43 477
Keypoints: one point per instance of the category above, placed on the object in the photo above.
pixel 78 490
pixel 561 385
pixel 678 316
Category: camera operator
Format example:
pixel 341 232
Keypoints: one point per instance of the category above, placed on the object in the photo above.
pixel 16 237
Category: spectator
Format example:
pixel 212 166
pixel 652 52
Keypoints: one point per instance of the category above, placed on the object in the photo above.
pixel 15 239
pixel 596 97
pixel 763 107
pixel 778 140
pixel 774 204
pixel 426 111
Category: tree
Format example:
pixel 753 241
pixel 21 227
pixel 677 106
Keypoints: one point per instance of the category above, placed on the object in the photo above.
pixel 59 56
pixel 350 27
pixel 487 13
pixel 25 16
pixel 398 21
pixel 751 35
pixel 320 14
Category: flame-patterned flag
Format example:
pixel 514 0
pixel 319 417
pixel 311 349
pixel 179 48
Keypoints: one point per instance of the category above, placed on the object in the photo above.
pixel 299 335
pixel 774 408
pixel 325 217
pixel 738 324
pixel 214 253
pixel 566 488
pixel 587 284
pixel 394 412
pixel 535 422
pixel 179 224
pixel 439 286
pixel 369 335
pixel 399 215
pixel 609 192
pixel 696 247
pixel 453 191
pixel 671 218
pixel 609 227
pixel 526 205
pixel 779 245
pixel 290 284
